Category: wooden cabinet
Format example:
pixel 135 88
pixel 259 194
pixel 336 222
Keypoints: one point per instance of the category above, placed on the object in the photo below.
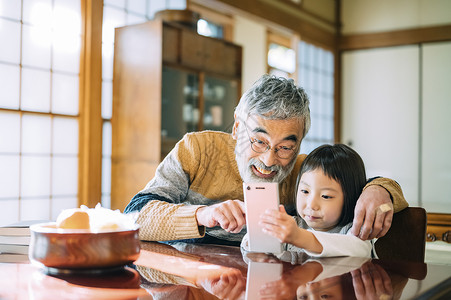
pixel 209 54
pixel 167 81
pixel 170 44
pixel 192 50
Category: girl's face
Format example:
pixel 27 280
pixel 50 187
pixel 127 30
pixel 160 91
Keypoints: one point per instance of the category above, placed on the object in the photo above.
pixel 319 200
pixel 329 288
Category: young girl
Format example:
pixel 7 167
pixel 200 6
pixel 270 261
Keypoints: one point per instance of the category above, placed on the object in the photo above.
pixel 329 183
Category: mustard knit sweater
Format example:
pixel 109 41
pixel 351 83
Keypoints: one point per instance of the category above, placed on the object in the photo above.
pixel 202 170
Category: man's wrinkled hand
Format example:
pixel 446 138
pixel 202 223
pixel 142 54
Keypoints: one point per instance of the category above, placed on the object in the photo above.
pixel 373 213
pixel 371 281
pixel 230 215
pixel 230 285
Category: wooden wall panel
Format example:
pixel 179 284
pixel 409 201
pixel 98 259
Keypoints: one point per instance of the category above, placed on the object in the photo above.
pixel 135 147
pixel 395 38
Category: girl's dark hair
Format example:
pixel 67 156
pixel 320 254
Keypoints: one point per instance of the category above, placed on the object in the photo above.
pixel 344 165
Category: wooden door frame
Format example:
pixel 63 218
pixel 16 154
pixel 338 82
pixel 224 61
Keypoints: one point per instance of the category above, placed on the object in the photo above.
pixel 90 105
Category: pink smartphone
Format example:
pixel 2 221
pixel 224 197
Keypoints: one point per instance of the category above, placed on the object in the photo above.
pixel 258 275
pixel 259 197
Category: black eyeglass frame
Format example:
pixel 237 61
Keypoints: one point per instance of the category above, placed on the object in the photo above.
pixel 268 147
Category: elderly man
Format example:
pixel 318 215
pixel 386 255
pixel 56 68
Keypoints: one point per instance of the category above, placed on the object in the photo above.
pixel 197 190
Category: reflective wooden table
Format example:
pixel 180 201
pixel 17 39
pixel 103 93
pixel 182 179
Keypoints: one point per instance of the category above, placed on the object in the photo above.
pixel 195 271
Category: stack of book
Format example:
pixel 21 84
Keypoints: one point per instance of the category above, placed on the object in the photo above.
pixel 15 240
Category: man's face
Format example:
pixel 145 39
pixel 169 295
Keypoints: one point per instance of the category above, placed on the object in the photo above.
pixel 267 166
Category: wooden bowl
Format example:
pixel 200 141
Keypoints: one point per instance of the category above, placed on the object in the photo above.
pixel 81 249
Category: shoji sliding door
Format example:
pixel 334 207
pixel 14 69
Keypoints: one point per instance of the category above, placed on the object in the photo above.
pixel 436 127
pixel 380 112
pixel 40 42
pixel 396 113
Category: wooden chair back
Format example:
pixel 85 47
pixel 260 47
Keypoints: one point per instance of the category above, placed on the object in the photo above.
pixel 406 238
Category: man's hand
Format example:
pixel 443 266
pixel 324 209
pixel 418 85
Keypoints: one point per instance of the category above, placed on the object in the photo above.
pixel 371 281
pixel 230 215
pixel 230 285
pixel 373 213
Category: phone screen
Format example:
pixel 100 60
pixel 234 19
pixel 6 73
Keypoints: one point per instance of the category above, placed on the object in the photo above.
pixel 259 197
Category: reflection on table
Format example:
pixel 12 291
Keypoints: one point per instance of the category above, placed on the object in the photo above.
pixel 197 271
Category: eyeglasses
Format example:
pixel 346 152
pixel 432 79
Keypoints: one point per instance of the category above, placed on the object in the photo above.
pixel 260 146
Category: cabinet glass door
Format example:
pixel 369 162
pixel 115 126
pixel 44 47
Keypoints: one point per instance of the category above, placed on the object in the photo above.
pixel 179 107
pixel 220 99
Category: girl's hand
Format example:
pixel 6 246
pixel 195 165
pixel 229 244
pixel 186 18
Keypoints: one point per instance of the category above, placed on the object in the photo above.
pixel 279 225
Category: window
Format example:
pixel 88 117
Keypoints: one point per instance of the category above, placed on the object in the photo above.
pixel 213 23
pixel 316 75
pixel 281 57
pixel 207 28
pixel 39 80
pixel 282 60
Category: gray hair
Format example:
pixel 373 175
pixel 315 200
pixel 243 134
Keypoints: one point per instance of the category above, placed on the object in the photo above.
pixel 275 98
